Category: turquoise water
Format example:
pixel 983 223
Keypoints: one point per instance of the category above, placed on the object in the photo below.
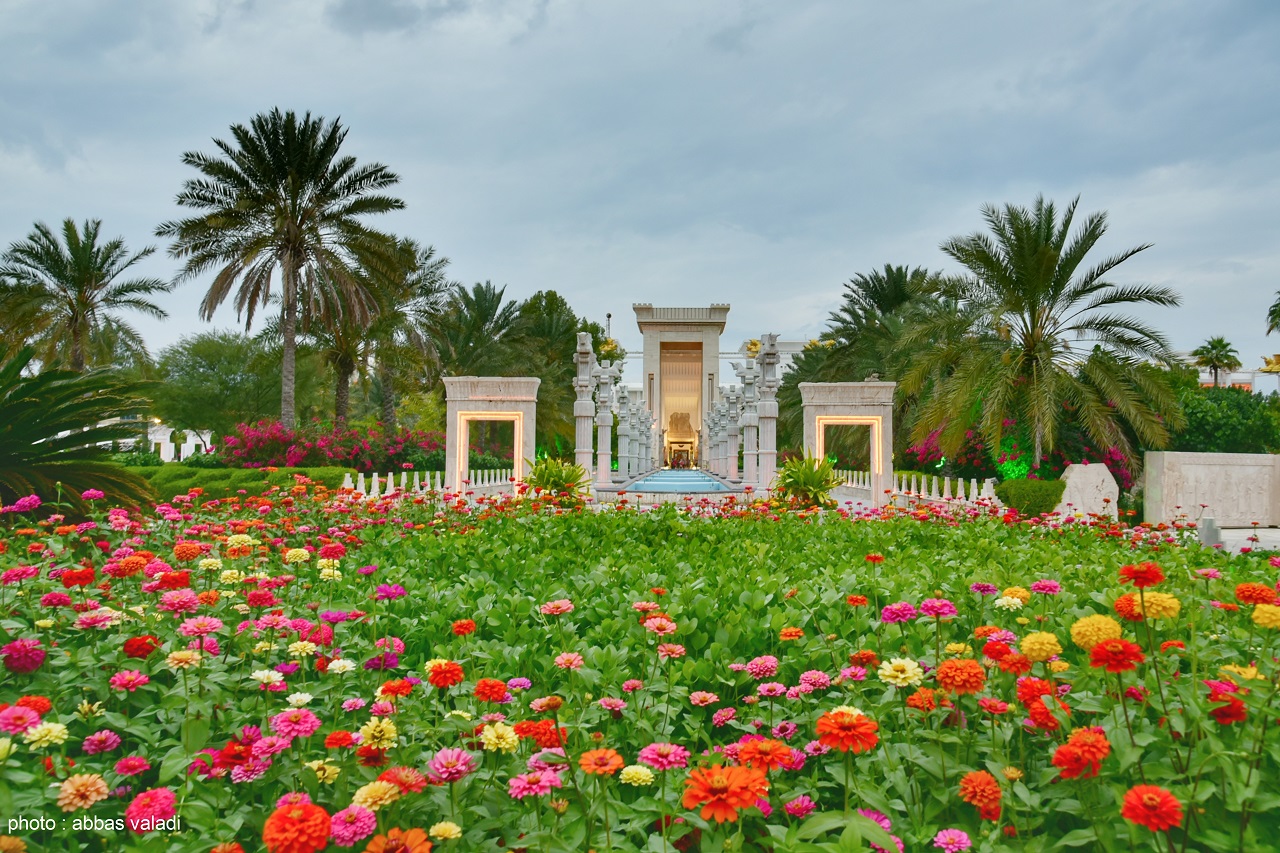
pixel 677 481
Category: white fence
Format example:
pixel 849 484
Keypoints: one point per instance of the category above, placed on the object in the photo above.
pixel 908 488
pixel 482 483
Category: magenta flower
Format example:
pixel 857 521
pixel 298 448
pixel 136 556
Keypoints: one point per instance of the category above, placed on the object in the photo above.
pixel 389 592
pixel 816 678
pixel 132 765
pixel 664 756
pixel 723 716
pixel 22 656
pixel 535 783
pixel 1044 587
pixel 902 611
pixel 296 722
pixel 984 588
pixel 293 798
pixel 611 704
pixel 877 817
pixel 147 808
pixel 16 719
pixel 938 608
pixel 352 824
pixel 18 574
pixel 103 741
pixel 200 626
pixel 801 807
pixel 631 685
pixel 524 684
pixel 55 599
pixel 129 679
pixel 772 688
pixel 764 666
pixel 952 840
pixel 93 494
pixel 451 764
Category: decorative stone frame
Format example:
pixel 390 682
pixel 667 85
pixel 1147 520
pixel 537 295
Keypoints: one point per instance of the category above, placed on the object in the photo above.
pixel 487 398
pixel 857 404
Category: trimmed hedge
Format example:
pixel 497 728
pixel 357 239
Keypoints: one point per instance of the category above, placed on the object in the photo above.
pixel 178 479
pixel 1031 497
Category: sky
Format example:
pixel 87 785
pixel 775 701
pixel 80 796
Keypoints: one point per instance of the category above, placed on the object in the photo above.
pixel 749 152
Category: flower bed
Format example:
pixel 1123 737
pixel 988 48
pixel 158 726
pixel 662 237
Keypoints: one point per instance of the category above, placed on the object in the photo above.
pixel 299 672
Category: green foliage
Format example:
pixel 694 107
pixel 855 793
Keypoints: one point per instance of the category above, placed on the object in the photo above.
pixel 807 481
pixel 177 478
pixel 137 459
pixel 1228 420
pixel 557 478
pixel 1031 497
pixel 1217 356
pixel 56 430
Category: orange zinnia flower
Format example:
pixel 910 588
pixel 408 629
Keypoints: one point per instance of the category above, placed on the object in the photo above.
pixel 296 829
pixel 847 732
pixel 769 754
pixel 604 762
pixel 1082 754
pixel 1126 608
pixel 400 841
pixel 961 676
pixel 490 690
pixel 981 789
pixel 721 790
pixel 1151 806
pixel 444 675
pixel 1142 575
pixel 790 633
pixel 186 551
pixel 1116 655
pixel 1255 593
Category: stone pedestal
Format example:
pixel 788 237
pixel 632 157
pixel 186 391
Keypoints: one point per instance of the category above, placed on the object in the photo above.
pixel 584 409
pixel 1090 489
pixel 767 409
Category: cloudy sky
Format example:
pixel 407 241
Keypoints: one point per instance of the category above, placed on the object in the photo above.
pixel 755 153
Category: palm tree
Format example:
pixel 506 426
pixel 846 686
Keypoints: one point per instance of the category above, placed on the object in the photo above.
pixel 1273 315
pixel 282 200
pixel 56 431
pixel 1217 356
pixel 1034 339
pixel 475 333
pixel 63 294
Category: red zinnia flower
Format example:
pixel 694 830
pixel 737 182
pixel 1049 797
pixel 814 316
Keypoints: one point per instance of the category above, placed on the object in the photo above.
pixel 296 829
pixel 856 601
pixel 490 690
pixel 141 647
pixel 1116 655
pixel 371 756
pixel 397 687
pixel 463 627
pixel 1151 806
pixel 444 675
pixel 338 740
pixel 1232 712
pixel 77 577
pixel 1142 576
pixel 996 650
pixel 1018 664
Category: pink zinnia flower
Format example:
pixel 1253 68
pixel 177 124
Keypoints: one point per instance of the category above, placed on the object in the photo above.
pixel 664 756
pixel 815 748
pixel 251 771
pixel 293 798
pixel 670 650
pixel 394 643
pixel 877 817
pixel 801 807
pixel 296 722
pixel 129 679
pixel 557 607
pixel 18 574
pixel 611 704
pixel 762 667
pixel 132 765
pixel 352 824
pixel 938 608
pixel 55 599
pixel 569 660
pixel 646 606
pixel 816 678
pixel 772 688
pixel 179 601
pixel 535 783
pixel 1211 574
pixel 723 716
pixel 660 625
pixel 353 705
pixel 22 656
pixel 148 807
pixel 103 741
pixel 902 611
pixel 1044 587
pixel 16 719
pixel 382 708
pixel 702 698
pixel 542 760
pixel 200 626
pixel 631 685
pixel 952 840
pixel 853 673
pixel 269 746
pixel 451 764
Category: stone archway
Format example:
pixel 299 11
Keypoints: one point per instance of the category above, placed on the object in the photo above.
pixel 487 398
pixel 856 404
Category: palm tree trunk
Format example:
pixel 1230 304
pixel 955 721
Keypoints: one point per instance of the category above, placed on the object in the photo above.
pixel 385 379
pixel 342 395
pixel 1039 450
pixel 289 328
pixel 77 348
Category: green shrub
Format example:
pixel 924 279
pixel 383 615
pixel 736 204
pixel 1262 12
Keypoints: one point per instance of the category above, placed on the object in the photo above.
pixel 204 460
pixel 137 459
pixel 554 477
pixel 807 482
pixel 1031 497
pixel 177 478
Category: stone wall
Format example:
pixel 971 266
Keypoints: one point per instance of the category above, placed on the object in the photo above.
pixel 1235 489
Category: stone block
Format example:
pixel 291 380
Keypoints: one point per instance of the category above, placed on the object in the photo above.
pixel 1091 489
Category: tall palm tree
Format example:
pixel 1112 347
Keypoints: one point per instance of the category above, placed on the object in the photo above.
pixel 1034 338
pixel 282 200
pixel 1218 356
pixel 1273 315
pixel 63 292
pixel 475 333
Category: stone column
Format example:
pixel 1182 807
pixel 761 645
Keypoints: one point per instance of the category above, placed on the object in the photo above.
pixel 624 435
pixel 583 409
pixel 750 422
pixel 604 375
pixel 733 398
pixel 767 409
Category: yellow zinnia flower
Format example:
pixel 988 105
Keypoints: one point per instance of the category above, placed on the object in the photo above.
pixel 499 737
pixel 958 648
pixel 324 771
pixel 1157 605
pixel 376 794
pixel 900 672
pixel 182 659
pixel 636 774
pixel 445 830
pixel 1040 646
pixel 1248 673
pixel 45 734
pixel 380 733
pixel 1091 630
pixel 1267 616
pixel 1021 593
pixel 297 555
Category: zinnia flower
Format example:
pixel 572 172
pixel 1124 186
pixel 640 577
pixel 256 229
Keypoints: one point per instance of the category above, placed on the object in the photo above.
pixel 1091 630
pixel 155 805
pixel 1158 605
pixel 722 791
pixel 352 824
pixel 981 789
pixel 400 841
pixel 1142 575
pixel 1116 655
pixel 952 840
pixel 81 791
pixel 1039 646
pixel 1267 616
pixel 296 829
pixel 1151 806
pixel 961 676
pixel 900 672
pixel 22 656
pixel 602 762
pixel 847 731
pixel 376 794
